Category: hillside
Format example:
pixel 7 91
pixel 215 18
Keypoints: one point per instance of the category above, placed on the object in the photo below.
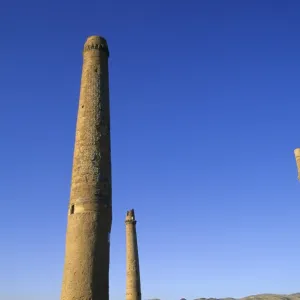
pixel 295 296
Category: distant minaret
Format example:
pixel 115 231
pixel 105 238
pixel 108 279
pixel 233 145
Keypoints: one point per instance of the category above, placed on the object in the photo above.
pixel 133 284
pixel 297 156
pixel 86 269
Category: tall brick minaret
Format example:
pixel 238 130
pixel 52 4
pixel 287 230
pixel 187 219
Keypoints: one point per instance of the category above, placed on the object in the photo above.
pixel 86 269
pixel 133 283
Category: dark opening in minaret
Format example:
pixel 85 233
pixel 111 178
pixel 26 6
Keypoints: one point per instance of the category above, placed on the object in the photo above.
pixel 72 209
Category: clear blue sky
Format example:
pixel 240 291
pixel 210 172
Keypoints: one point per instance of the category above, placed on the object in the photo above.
pixel 205 102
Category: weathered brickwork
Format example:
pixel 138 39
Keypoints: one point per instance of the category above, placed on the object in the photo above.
pixel 133 283
pixel 86 270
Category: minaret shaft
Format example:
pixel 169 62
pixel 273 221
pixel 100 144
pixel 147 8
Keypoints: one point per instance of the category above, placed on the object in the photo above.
pixel 86 270
pixel 133 283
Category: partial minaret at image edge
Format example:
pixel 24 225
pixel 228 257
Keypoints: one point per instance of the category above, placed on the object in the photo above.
pixel 297 157
pixel 133 281
pixel 87 250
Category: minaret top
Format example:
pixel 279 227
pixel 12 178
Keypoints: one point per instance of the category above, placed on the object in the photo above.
pixel 130 218
pixel 95 44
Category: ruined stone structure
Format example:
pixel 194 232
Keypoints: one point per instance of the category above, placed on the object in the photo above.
pixel 133 283
pixel 297 156
pixel 86 269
